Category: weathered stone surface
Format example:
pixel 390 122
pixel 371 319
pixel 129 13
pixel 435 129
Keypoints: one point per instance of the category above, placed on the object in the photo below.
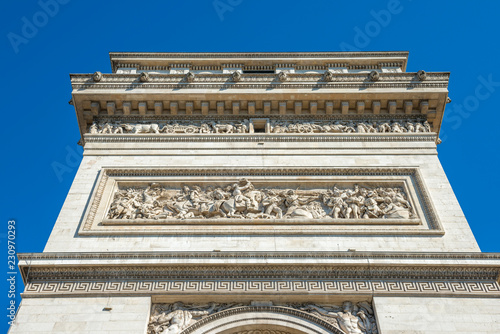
pixel 260 194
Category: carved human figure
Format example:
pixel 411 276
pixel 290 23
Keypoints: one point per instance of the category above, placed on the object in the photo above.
pixel 384 127
pixel 419 127
pixel 396 196
pixel 371 208
pixel 183 207
pixel 107 128
pixel 271 204
pixel 427 127
pixel 365 324
pixel 178 319
pixel 366 127
pixel 397 128
pixel 410 127
pixel 238 189
pixel 361 128
pixel 349 127
pixel 391 210
pixel 354 203
pixel 347 321
pixel 205 128
pixel 336 202
pixel 242 127
pixel 93 129
pixel 294 205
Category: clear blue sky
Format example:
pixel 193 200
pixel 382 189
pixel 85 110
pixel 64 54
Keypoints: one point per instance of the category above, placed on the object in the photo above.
pixel 40 128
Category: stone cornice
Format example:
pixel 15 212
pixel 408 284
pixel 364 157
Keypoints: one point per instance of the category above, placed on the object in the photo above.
pixel 262 264
pixel 349 95
pixel 187 55
pixel 216 58
pixel 454 257
pixel 263 271
pixel 157 273
pixel 389 137
pixel 260 81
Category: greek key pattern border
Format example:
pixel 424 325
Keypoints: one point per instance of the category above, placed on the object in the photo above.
pixel 149 287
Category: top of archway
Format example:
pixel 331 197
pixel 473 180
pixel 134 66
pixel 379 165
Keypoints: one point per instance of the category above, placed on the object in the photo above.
pixel 396 58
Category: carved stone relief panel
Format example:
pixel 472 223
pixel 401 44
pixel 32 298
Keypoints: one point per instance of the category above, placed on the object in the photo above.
pixel 221 201
pixel 242 199
pixel 171 127
pixel 349 318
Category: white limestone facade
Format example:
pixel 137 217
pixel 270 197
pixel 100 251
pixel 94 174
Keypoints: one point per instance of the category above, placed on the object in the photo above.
pixel 260 193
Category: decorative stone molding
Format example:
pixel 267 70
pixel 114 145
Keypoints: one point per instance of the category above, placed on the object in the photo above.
pixel 328 76
pixel 236 76
pixel 294 273
pixel 455 257
pixel 145 77
pixel 282 76
pixel 190 77
pixel 263 81
pixel 307 287
pixel 97 76
pixel 374 76
pixel 104 138
pixel 421 75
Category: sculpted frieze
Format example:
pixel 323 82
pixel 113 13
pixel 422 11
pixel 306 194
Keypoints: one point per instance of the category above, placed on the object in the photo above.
pixel 174 318
pixel 385 126
pixel 351 318
pixel 171 127
pixel 242 200
pixel 275 126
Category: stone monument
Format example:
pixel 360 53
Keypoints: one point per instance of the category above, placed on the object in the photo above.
pixel 260 193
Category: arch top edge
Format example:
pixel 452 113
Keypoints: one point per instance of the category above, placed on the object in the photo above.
pixel 248 320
